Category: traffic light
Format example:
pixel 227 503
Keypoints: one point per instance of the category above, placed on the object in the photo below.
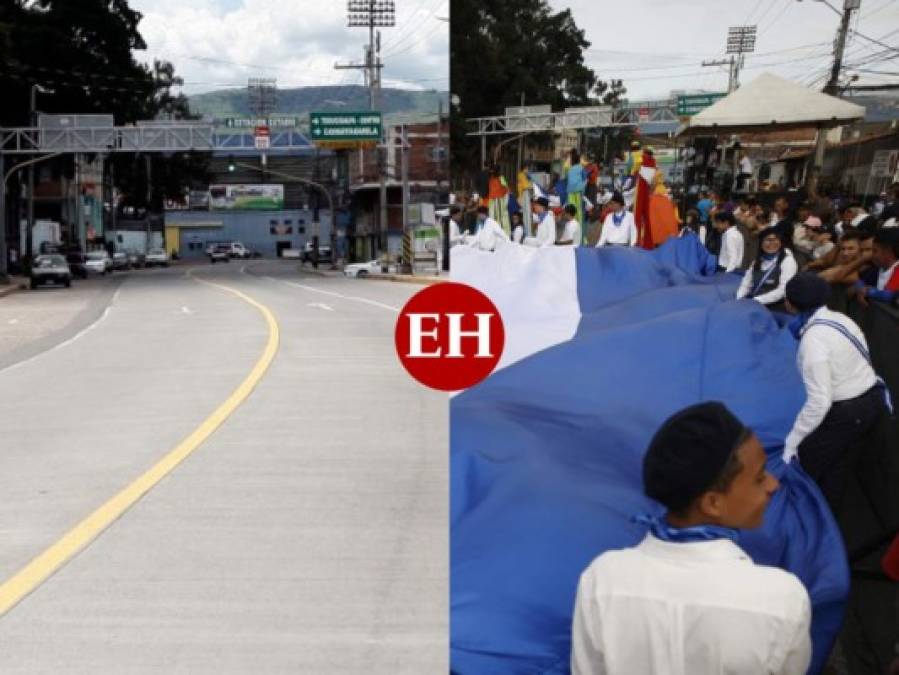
pixel 231 165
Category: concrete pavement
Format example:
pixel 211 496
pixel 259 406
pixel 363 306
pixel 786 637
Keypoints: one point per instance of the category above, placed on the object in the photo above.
pixel 308 534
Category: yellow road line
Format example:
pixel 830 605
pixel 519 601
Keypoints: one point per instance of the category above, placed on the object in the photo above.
pixel 75 540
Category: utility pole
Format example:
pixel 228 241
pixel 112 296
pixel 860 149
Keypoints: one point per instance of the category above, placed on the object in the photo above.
pixel 4 256
pixel 404 169
pixel 730 73
pixel 373 14
pixel 831 88
pixel 29 225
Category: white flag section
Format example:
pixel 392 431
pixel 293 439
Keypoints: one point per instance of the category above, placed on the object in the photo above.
pixel 534 289
pixel 647 173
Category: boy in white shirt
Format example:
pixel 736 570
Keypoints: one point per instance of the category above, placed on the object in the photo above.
pixel 571 235
pixel 619 228
pixel 731 256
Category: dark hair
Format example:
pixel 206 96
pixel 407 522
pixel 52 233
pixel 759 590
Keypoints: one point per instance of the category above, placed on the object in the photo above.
pixel 518 213
pixel 484 210
pixel 454 209
pixel 571 209
pixel 725 478
pixel 725 217
pixel 575 156
pixel 889 238
pixel 849 235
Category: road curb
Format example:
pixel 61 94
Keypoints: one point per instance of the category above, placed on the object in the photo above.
pixel 403 278
pixel 12 288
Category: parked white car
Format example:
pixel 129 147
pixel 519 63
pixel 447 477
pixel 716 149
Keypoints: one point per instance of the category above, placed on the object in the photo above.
pixel 157 256
pixel 362 269
pixel 98 262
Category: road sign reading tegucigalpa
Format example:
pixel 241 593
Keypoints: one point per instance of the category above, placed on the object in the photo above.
pixel 695 103
pixel 343 128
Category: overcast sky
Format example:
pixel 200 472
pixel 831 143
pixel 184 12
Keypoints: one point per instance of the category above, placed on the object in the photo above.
pixel 657 45
pixel 218 44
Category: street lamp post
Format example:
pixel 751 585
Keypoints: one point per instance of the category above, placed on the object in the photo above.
pixel 304 181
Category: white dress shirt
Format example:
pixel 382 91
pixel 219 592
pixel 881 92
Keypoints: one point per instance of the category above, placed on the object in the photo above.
pixel 455 234
pixel 518 234
pixel 624 234
pixel 788 269
pixel 698 608
pixel 745 165
pixel 546 232
pixel 883 277
pixel 572 232
pixel 832 370
pixel 731 256
pixel 487 235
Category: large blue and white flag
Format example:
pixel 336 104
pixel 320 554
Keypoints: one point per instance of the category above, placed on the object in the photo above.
pixel 602 345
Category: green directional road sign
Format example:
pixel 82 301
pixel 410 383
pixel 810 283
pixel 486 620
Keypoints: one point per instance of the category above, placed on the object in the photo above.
pixel 694 103
pixel 345 127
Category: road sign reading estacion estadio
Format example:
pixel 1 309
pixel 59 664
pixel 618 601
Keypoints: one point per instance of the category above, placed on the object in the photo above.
pixel 345 127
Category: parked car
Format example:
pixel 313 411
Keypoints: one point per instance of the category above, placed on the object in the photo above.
pixel 99 262
pixel 157 256
pixel 324 252
pixel 50 269
pixel 362 269
pixel 120 261
pixel 238 250
pixel 76 262
pixel 219 253
pixel 135 258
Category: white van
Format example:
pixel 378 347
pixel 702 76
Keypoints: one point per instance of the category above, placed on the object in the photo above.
pixel 238 250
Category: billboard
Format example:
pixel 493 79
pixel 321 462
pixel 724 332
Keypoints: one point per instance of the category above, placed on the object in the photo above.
pixel 246 197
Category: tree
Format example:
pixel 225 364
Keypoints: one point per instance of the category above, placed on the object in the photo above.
pixel 506 51
pixel 83 53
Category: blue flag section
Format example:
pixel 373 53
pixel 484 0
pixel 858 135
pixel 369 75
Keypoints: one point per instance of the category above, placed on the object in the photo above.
pixel 546 453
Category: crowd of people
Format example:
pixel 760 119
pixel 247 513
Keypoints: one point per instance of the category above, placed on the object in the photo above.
pixel 704 465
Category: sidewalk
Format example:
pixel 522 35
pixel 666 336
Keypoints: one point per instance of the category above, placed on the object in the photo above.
pixel 15 284
pixel 402 278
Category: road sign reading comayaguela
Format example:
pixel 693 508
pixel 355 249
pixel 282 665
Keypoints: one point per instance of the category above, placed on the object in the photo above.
pixel 345 126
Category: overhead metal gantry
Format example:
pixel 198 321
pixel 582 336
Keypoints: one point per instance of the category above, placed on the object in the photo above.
pixel 631 114
pixel 140 138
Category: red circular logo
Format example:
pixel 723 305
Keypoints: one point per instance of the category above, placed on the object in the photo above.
pixel 449 336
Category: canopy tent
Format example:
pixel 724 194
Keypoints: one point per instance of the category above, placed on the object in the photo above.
pixel 771 103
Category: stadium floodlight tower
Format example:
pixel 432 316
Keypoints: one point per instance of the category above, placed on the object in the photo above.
pixel 261 94
pixel 372 14
pixel 740 41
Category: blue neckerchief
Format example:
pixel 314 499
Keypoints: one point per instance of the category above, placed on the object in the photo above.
pixel 618 217
pixel 661 529
pixel 797 324
pixel 769 256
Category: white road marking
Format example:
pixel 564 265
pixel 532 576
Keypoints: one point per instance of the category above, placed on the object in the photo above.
pixel 13 321
pixel 186 310
pixel 66 343
pixel 337 295
pixel 321 305
pixel 72 339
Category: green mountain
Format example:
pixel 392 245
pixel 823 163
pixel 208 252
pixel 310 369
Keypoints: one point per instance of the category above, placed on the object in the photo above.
pixel 397 104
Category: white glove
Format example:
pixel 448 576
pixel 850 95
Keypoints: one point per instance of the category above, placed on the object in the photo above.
pixel 790 454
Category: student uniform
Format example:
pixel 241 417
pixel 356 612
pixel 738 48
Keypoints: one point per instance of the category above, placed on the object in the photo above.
pixel 546 232
pixel 768 283
pixel 572 232
pixel 689 608
pixel 618 229
pixel 844 400
pixel 487 235
pixel 731 256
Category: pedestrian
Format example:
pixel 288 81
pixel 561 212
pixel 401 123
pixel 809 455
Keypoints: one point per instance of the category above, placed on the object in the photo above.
pixel 576 182
pixel 845 400
pixel 731 256
pixel 693 225
pixel 687 600
pixel 546 225
pixel 885 257
pixel 745 172
pixel 766 279
pixel 455 225
pixel 517 227
pixel 704 206
pixel 571 234
pixel 619 228
pixel 488 233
